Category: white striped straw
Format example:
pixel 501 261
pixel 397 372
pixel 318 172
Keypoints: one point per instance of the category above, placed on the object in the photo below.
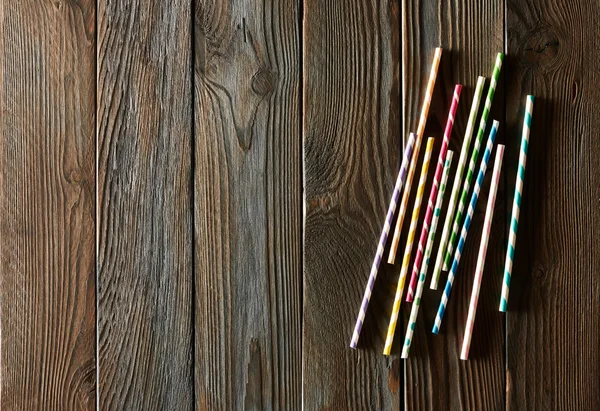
pixel 485 237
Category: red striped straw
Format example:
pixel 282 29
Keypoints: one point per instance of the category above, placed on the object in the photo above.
pixel 485 236
pixel 434 193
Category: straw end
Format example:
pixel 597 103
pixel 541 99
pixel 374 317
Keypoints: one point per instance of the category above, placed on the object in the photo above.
pixel 503 304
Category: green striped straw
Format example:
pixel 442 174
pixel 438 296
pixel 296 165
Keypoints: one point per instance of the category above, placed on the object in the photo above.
pixel 514 221
pixel 462 161
pixel 472 164
pixel 414 312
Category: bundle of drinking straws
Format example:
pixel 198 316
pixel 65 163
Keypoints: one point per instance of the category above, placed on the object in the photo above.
pixel 457 221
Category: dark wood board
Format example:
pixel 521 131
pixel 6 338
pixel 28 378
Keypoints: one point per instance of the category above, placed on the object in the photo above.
pixel 144 266
pixel 471 34
pixel 248 205
pixel 351 131
pixel 191 196
pixel 553 320
pixel 47 178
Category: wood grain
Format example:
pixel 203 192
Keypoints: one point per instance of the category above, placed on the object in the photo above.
pixel 248 202
pixel 471 33
pixel 351 129
pixel 47 303
pixel 553 323
pixel 145 276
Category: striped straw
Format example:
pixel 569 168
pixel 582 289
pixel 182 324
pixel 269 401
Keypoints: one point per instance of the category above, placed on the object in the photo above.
pixel 433 193
pixel 420 285
pixel 408 249
pixel 462 161
pixel 465 228
pixel 478 141
pixel 514 220
pixel 415 158
pixel 383 239
pixel 485 236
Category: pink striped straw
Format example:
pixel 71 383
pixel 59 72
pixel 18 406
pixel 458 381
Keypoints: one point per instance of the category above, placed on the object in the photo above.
pixel 485 236
pixel 434 193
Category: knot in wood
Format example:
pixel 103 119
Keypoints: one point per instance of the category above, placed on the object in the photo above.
pixel 263 82
pixel 542 47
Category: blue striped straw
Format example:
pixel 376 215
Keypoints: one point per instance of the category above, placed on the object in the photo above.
pixel 514 221
pixel 465 228
pixel 383 239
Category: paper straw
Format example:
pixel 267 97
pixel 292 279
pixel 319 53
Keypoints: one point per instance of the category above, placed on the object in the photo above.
pixel 478 141
pixel 465 228
pixel 485 236
pixel 408 249
pixel 462 161
pixel 433 193
pixel 420 285
pixel 415 158
pixel 514 220
pixel 383 239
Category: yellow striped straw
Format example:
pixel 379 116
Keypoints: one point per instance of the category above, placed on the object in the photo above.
pixel 408 248
pixel 415 156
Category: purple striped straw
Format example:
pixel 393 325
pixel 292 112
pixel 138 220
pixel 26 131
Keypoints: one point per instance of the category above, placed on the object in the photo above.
pixel 383 239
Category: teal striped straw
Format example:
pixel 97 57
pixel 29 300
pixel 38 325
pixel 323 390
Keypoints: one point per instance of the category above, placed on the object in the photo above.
pixel 474 156
pixel 514 221
pixel 465 228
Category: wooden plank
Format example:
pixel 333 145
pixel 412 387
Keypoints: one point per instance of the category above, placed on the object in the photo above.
pixel 351 129
pixel 47 206
pixel 47 303
pixel 145 306
pixel 553 323
pixel 471 33
pixel 248 203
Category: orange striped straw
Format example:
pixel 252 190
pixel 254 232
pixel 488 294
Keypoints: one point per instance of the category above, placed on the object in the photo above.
pixel 409 244
pixel 415 156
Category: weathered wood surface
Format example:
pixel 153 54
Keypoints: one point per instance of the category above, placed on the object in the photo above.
pixel 47 277
pixel 247 205
pixel 351 129
pixel 144 263
pixel 246 153
pixel 471 33
pixel 553 323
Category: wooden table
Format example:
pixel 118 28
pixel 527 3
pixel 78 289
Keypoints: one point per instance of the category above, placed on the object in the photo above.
pixel 191 194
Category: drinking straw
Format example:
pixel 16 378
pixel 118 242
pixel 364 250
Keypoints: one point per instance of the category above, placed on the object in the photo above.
pixel 420 285
pixel 514 220
pixel 478 141
pixel 413 163
pixel 485 236
pixel 434 192
pixel 408 249
pixel 383 239
pixel 465 228
pixel 462 161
